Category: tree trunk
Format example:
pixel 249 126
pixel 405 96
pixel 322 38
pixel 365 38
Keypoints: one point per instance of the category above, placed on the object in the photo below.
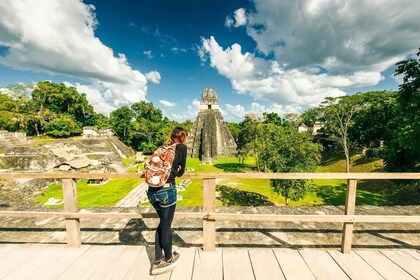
pixel 286 201
pixel 346 152
pixel 265 167
pixel 257 163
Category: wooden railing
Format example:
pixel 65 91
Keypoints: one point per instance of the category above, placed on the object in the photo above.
pixel 72 214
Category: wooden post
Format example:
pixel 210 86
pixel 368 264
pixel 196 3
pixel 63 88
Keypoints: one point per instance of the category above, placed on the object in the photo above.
pixel 349 210
pixel 71 205
pixel 209 225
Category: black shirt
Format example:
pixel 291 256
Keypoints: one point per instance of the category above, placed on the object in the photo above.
pixel 179 160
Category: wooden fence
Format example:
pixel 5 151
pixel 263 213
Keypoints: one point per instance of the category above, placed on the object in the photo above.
pixel 72 213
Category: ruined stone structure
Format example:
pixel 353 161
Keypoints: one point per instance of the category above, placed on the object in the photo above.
pixel 210 137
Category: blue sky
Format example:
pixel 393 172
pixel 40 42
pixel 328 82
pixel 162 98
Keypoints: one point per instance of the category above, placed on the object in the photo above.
pixel 259 55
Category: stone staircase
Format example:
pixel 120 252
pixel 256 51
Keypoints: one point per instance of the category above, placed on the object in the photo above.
pixel 133 198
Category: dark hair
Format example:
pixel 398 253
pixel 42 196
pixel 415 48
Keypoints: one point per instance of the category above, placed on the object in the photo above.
pixel 178 134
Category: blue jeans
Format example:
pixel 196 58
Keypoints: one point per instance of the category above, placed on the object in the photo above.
pixel 162 197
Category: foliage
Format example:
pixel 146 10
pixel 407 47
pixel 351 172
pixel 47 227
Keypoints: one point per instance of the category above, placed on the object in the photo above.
pixel 291 151
pixel 374 121
pixel 120 120
pixel 338 113
pixel 61 126
pixel 45 108
pixel 402 152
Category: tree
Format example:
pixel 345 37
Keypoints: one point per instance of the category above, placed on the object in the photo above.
pixel 61 126
pixel 375 121
pixel 120 120
pixel 338 113
pixel 146 110
pixel 402 152
pixel 291 151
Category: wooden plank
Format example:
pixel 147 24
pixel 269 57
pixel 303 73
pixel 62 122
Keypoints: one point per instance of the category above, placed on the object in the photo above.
pixel 123 264
pixel 107 264
pixel 52 265
pixel 71 205
pixel 83 267
pixel 208 265
pixel 209 225
pixel 383 265
pixel 224 216
pixel 335 175
pixel 322 264
pixel 140 269
pixel 354 266
pixel 109 215
pixel 237 265
pixel 6 249
pixel 31 265
pixel 412 253
pixel 405 261
pixel 315 218
pixel 18 257
pixel 265 265
pixel 185 264
pixel 293 265
pixel 349 210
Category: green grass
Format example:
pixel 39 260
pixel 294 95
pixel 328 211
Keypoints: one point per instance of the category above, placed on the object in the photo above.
pixel 321 192
pixel 93 196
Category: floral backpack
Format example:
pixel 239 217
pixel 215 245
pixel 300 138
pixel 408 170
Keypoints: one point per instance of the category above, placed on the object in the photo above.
pixel 158 168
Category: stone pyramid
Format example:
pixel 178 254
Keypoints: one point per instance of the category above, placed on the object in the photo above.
pixel 210 137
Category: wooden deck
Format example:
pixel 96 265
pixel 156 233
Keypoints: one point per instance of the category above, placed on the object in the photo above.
pixel 52 261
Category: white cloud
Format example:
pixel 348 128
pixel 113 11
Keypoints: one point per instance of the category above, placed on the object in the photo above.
pixel 399 79
pixel 229 22
pixel 148 54
pixel 267 80
pixel 58 37
pixel 239 18
pixel 190 112
pixel 236 113
pixel 167 103
pixel 345 36
pixel 178 50
pixel 153 76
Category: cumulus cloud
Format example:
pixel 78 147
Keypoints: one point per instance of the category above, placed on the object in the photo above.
pixel 342 36
pixel 190 112
pixel 167 103
pixel 239 18
pixel 236 113
pixel 58 37
pixel 316 48
pixel 153 76
pixel 268 80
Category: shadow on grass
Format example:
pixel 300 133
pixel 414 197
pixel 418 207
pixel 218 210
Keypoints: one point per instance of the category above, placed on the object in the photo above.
pixel 364 160
pixel 231 196
pixel 366 194
pixel 233 167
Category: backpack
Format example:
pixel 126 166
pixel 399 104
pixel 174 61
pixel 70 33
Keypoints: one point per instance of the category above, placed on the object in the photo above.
pixel 158 168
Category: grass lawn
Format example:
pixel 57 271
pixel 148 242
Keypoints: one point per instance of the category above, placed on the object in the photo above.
pixel 236 191
pixel 328 192
pixel 92 195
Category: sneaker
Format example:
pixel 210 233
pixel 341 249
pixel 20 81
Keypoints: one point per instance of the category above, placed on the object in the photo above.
pixel 162 266
pixel 175 256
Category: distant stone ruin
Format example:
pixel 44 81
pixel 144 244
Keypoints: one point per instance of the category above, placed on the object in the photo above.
pixel 210 137
pixel 91 131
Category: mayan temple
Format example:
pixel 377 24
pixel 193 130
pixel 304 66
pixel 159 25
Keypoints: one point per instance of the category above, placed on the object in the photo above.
pixel 210 137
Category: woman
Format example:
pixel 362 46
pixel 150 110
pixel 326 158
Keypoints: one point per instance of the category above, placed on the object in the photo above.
pixel 163 199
